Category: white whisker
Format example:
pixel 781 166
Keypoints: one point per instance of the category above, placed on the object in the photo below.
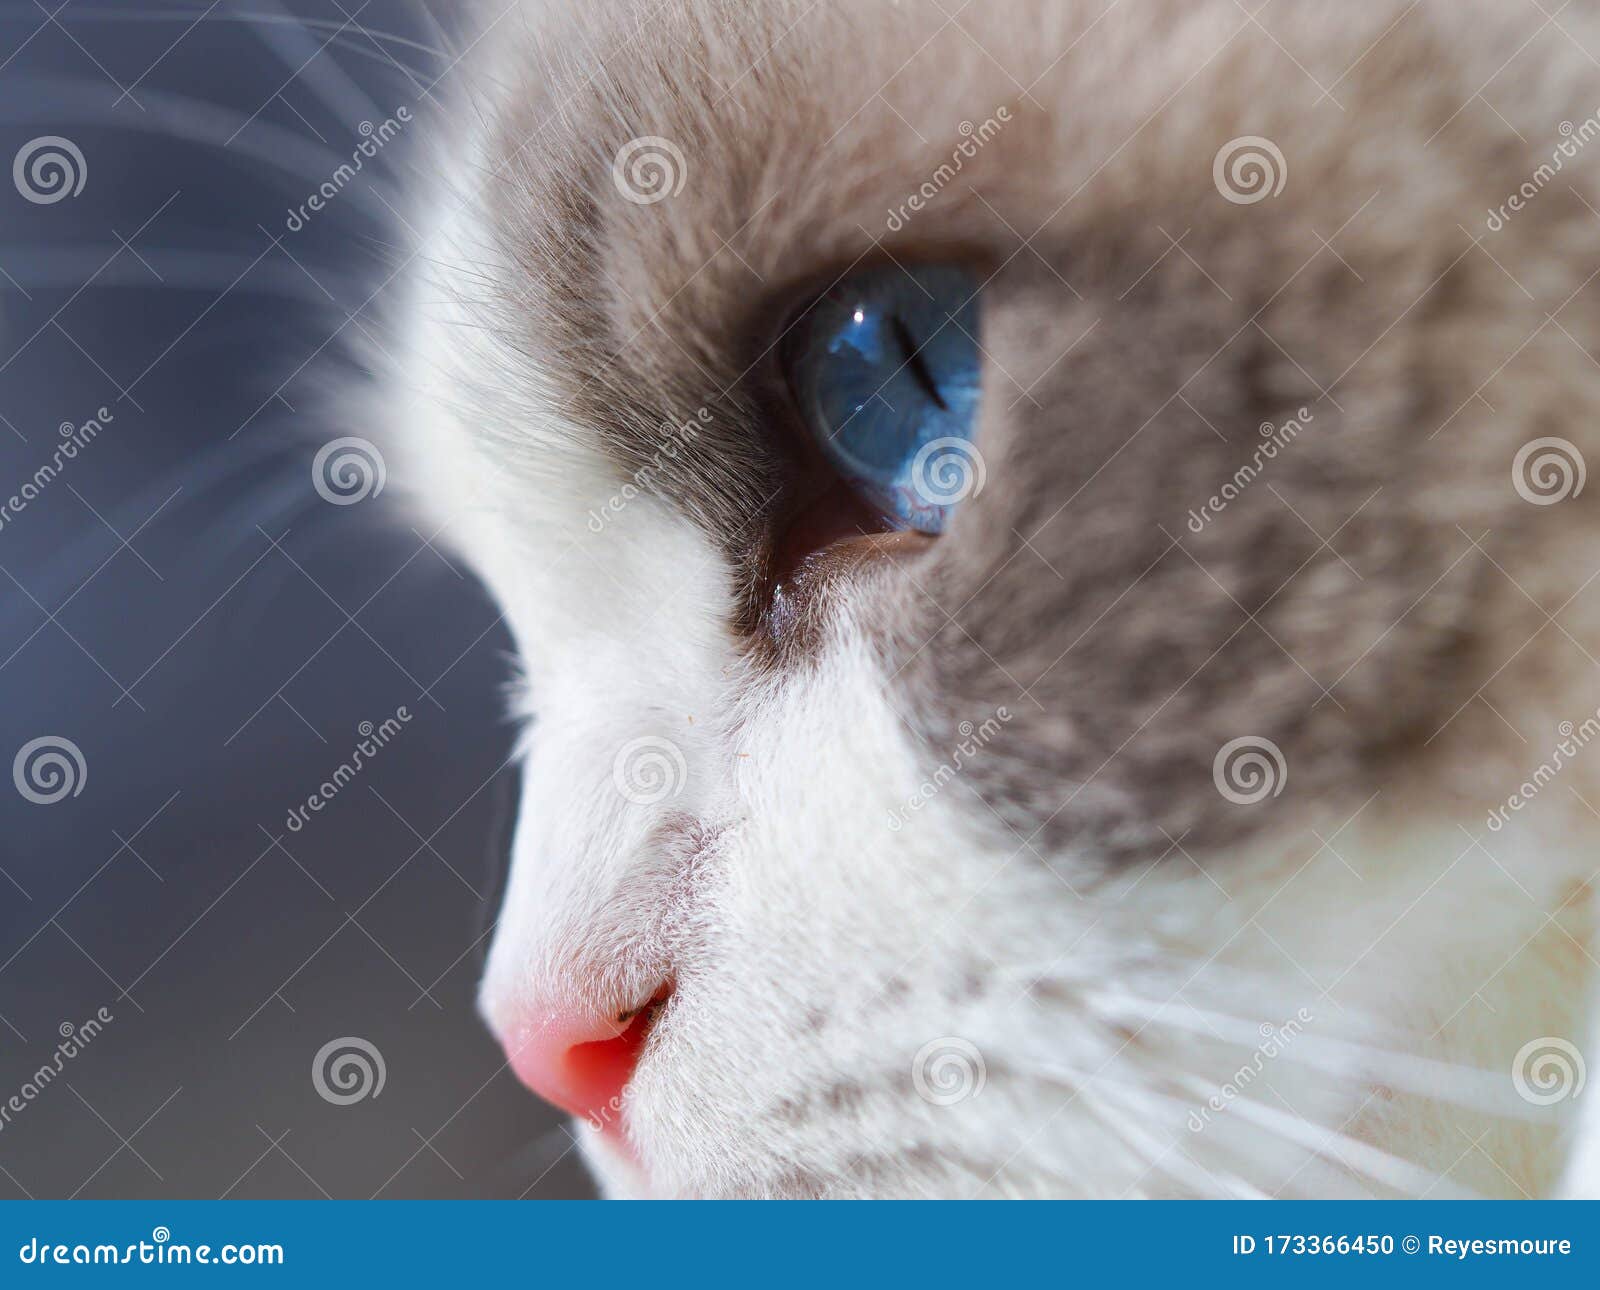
pixel 1202 1180
pixel 92 13
pixel 308 59
pixel 1400 1175
pixel 1465 1086
pixel 176 116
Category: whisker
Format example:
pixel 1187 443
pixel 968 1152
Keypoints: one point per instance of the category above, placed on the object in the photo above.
pixel 1464 1086
pixel 177 116
pixel 93 13
pixel 50 267
pixel 1199 1178
pixel 307 59
pixel 1401 1175
pixel 448 48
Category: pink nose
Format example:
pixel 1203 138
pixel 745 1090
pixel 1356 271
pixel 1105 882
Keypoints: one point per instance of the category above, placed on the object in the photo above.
pixel 583 1062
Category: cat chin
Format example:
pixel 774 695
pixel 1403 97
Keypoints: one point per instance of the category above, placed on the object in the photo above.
pixel 616 1170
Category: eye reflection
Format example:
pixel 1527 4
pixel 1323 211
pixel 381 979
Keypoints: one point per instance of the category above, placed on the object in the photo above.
pixel 885 371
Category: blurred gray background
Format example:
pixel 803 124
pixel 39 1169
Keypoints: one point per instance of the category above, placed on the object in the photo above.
pixel 180 605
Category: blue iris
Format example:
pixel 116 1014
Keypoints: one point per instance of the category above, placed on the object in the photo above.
pixel 884 368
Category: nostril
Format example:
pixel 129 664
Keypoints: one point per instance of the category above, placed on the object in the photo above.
pixel 583 1065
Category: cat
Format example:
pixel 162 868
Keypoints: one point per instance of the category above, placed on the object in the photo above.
pixel 1198 804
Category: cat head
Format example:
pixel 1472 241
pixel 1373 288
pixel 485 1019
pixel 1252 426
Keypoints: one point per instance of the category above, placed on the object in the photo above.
pixel 1145 830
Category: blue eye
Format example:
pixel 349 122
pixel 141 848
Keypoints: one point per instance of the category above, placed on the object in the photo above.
pixel 884 369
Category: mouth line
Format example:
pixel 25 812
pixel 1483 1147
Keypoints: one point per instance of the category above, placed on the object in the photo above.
pixel 626 1050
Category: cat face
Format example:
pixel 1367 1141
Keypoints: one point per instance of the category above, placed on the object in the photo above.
pixel 1133 834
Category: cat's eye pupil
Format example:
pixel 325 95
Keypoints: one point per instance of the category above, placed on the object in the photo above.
pixel 885 370
pixel 919 364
